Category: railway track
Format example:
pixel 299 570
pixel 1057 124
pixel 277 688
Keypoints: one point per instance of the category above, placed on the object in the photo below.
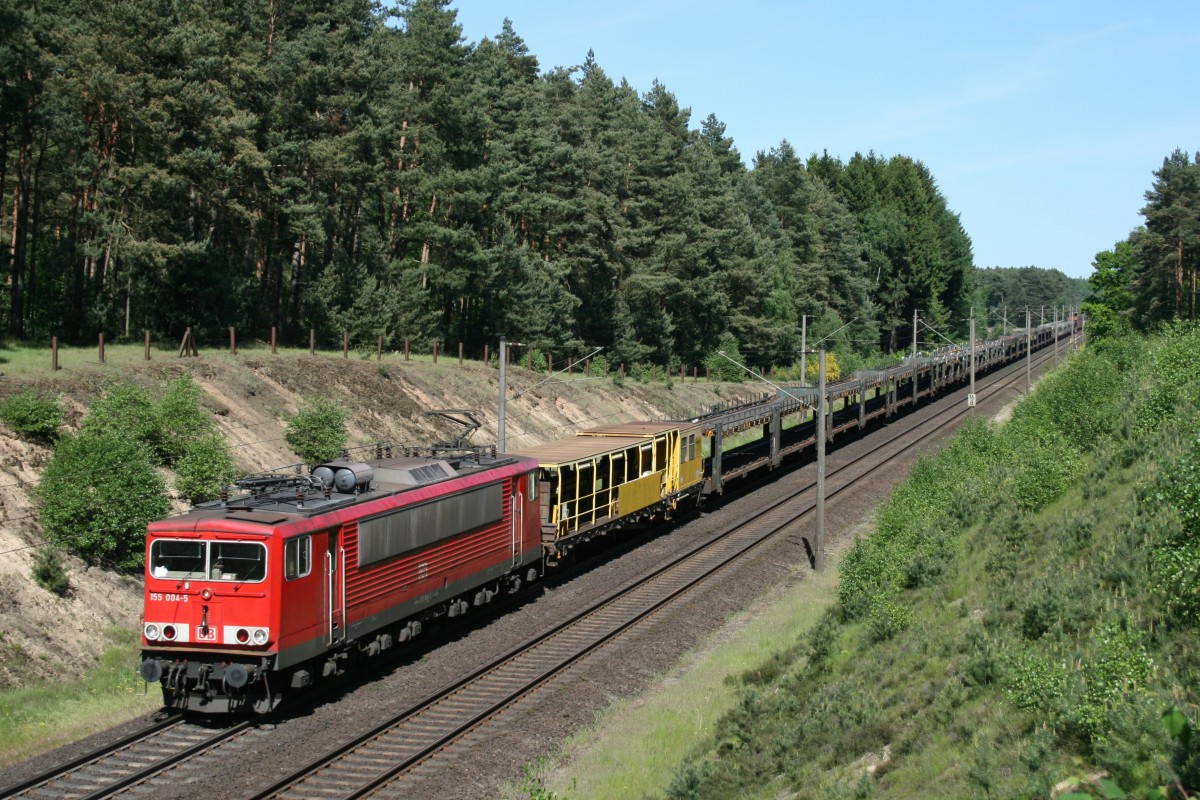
pixel 391 757
pixel 128 762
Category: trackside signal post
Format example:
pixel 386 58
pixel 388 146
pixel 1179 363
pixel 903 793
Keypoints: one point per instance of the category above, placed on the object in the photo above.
pixel 819 555
pixel 971 396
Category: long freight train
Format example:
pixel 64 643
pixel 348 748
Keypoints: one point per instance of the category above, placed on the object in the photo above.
pixel 251 596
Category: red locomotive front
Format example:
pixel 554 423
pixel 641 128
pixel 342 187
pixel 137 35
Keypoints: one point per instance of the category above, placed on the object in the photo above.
pixel 250 596
pixel 211 611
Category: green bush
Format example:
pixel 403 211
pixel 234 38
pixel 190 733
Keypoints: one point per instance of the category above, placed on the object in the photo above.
pixel 205 468
pixel 318 430
pixel 167 426
pixel 33 416
pixel 181 420
pixel 722 368
pixel 50 573
pixel 538 359
pixel 887 617
pixel 97 494
pixel 126 410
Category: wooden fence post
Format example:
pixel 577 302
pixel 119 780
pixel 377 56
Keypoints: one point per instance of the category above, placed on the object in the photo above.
pixel 54 353
pixel 312 342
pixel 272 340
pixel 435 344
pixel 232 341
pixel 406 348
pixel 379 349
pixel 146 344
pixel 486 353
pixel 695 373
pixel 549 363
pixel 345 344
pixel 460 356
pixel 102 348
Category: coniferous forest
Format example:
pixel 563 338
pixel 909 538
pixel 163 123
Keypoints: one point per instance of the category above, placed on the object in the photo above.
pixel 345 166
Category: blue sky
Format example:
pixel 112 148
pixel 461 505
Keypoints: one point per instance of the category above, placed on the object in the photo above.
pixel 1041 121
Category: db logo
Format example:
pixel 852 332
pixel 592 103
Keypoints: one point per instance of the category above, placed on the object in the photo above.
pixel 206 634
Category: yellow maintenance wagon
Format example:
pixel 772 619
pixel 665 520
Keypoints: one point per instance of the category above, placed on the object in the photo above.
pixel 613 475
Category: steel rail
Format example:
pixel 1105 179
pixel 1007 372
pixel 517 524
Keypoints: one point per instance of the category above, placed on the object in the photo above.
pixel 127 758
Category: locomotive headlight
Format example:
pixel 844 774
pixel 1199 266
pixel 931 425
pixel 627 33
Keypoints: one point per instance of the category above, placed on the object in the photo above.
pixel 260 636
pixel 169 633
pixel 151 632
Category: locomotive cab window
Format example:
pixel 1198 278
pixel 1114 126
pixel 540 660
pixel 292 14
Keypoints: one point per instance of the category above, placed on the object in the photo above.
pixel 237 561
pixel 297 557
pixel 176 559
pixel 217 561
pixel 532 483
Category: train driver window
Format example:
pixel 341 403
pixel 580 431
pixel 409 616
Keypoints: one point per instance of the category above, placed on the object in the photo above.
pixel 532 483
pixel 176 559
pixel 245 562
pixel 297 557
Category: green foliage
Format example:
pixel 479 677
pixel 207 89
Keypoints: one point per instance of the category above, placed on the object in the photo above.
pixel 536 360
pixel 50 573
pixel 181 421
pixel 688 780
pixel 204 469
pixel 1174 497
pixel 318 430
pixel 597 367
pixel 556 207
pixel 1166 245
pixel 167 426
pixel 97 494
pixel 722 367
pixel 1034 681
pixel 1032 287
pixel 532 785
pixel 31 415
pixel 125 410
pixel 887 618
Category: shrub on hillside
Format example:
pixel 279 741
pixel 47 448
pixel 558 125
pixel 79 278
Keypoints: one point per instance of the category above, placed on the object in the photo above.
pixel 167 426
pixel 49 572
pixel 206 467
pixel 181 420
pixel 721 367
pixel 125 410
pixel 318 430
pixel 33 416
pixel 97 494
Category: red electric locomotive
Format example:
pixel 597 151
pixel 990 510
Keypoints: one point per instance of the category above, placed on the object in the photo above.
pixel 255 594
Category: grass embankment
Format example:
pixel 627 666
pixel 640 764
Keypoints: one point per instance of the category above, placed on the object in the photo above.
pixel 1023 614
pixel 49 714
pixel 615 761
pixel 1016 626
